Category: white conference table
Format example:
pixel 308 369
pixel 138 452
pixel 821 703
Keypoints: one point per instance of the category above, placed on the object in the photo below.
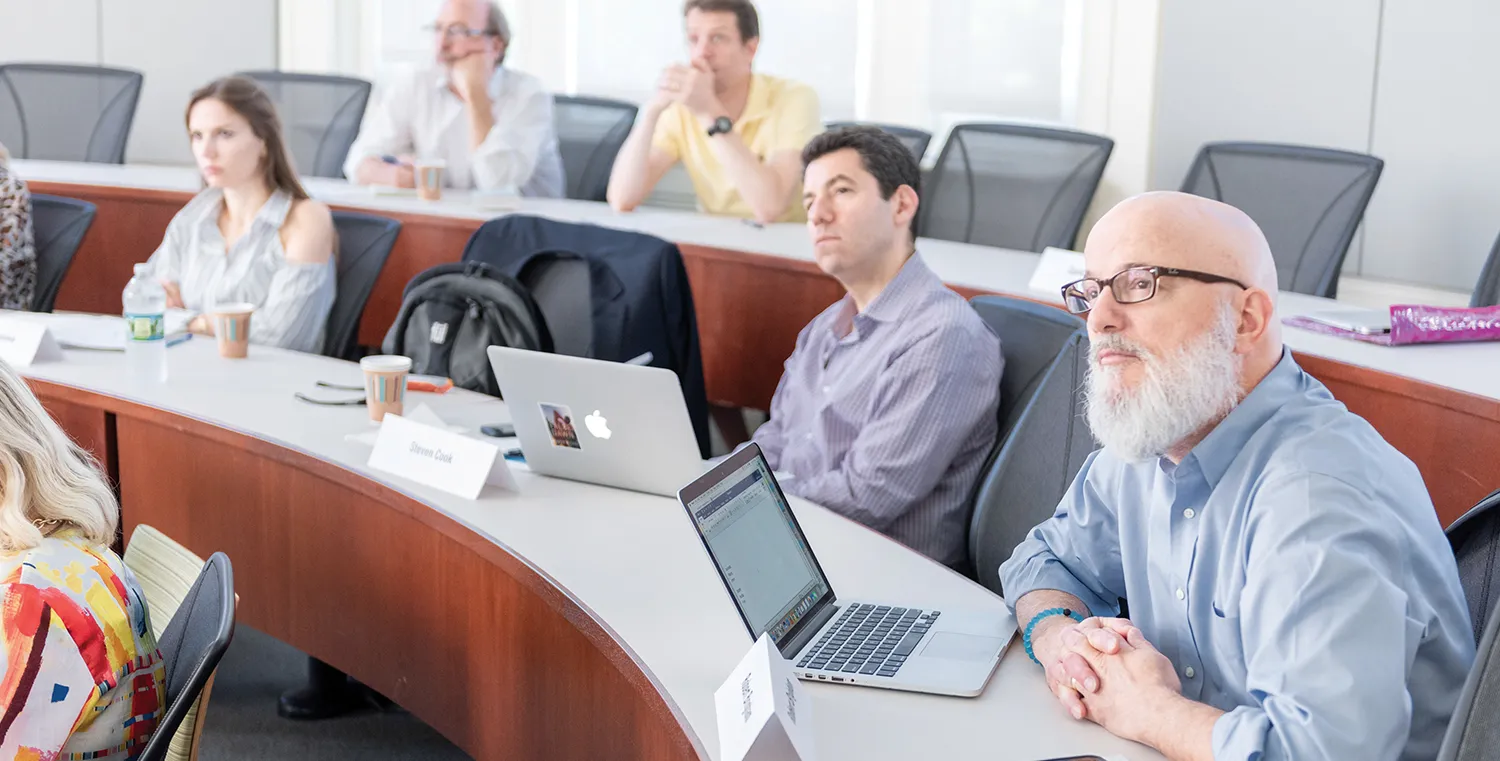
pixel 1470 368
pixel 631 561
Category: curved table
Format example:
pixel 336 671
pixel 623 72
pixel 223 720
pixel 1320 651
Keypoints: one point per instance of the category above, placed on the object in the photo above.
pixel 754 289
pixel 567 621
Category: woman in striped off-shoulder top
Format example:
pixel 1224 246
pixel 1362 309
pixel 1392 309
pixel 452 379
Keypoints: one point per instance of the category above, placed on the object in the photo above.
pixel 253 235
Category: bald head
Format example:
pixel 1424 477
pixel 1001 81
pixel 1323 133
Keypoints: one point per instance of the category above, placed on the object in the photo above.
pixel 1180 230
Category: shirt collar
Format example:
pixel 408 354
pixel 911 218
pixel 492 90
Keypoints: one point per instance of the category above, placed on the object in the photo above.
pixel 440 81
pixel 1218 449
pixel 890 304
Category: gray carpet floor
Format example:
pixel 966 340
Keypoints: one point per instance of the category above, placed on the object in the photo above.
pixel 243 725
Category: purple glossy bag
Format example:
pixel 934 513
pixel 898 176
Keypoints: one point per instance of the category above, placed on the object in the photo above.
pixel 1417 324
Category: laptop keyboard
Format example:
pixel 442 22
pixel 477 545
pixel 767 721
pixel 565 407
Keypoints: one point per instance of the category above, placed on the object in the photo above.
pixel 870 640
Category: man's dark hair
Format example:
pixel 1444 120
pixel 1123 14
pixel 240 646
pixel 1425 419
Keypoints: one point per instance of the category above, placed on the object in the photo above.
pixel 881 153
pixel 743 10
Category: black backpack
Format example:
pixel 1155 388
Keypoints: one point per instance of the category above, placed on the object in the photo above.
pixel 450 314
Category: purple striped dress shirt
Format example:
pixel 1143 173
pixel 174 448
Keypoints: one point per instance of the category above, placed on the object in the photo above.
pixel 886 416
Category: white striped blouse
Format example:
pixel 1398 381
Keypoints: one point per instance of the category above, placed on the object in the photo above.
pixel 292 301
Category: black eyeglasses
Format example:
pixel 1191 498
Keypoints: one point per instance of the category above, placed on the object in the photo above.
pixel 1130 286
pixel 456 30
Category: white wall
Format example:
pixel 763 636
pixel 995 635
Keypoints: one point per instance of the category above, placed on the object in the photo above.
pixel 178 44
pixel 1437 212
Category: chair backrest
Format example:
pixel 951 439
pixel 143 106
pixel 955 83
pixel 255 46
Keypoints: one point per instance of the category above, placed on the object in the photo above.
pixel 1474 731
pixel 915 140
pixel 166 571
pixel 590 132
pixel 1013 186
pixel 65 112
pixel 1308 201
pixel 365 241
pixel 1475 539
pixel 1042 440
pixel 320 116
pixel 560 285
pixel 192 645
pixel 1487 290
pixel 58 226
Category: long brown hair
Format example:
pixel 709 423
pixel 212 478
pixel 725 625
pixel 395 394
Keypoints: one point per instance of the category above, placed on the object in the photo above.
pixel 247 99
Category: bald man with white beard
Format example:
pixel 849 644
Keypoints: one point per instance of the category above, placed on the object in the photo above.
pixel 1291 593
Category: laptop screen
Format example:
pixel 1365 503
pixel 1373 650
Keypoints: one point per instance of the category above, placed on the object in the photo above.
pixel 759 548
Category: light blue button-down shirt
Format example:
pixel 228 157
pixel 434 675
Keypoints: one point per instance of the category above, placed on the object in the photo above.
pixel 1292 569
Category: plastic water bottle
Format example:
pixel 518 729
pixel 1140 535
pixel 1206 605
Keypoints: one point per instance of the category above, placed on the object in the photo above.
pixel 145 327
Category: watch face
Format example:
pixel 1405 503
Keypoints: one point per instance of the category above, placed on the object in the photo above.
pixel 722 124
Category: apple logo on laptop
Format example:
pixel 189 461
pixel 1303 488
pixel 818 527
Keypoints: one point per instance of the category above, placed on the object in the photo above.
pixel 597 425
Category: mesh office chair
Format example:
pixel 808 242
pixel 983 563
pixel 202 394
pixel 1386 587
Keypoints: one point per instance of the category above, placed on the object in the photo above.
pixel 320 116
pixel 1013 186
pixel 1487 290
pixel 1042 440
pixel 590 132
pixel 1475 539
pixel 915 140
pixel 192 646
pixel 63 112
pixel 58 226
pixel 166 571
pixel 365 242
pixel 1308 201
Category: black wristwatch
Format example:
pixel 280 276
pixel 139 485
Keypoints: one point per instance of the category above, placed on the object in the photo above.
pixel 721 126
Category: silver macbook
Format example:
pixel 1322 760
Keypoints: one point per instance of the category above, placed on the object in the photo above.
pixel 608 423
pixel 774 579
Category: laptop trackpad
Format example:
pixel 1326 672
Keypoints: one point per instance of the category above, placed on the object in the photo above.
pixel 961 647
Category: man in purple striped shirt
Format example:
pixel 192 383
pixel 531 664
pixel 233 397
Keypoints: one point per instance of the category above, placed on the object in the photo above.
pixel 887 408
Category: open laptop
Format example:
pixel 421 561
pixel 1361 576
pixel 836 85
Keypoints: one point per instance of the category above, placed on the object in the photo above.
pixel 770 572
pixel 608 423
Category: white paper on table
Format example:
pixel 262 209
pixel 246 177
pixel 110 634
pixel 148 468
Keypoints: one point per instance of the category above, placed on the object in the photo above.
pixel 100 332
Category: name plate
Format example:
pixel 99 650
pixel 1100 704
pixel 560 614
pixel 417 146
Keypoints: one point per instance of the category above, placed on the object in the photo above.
pixel 1057 268
pixel 764 712
pixel 438 458
pixel 23 342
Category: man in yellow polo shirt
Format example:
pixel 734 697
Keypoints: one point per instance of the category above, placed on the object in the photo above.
pixel 739 134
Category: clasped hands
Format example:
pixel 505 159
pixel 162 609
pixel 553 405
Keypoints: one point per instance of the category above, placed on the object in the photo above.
pixel 1103 669
pixel 692 85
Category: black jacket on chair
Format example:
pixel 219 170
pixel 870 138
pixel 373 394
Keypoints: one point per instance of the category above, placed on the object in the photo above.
pixel 641 298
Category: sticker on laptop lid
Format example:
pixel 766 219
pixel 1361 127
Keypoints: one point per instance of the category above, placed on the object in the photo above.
pixel 560 425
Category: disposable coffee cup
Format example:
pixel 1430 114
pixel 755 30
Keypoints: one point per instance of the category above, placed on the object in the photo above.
pixel 232 328
pixel 429 177
pixel 385 384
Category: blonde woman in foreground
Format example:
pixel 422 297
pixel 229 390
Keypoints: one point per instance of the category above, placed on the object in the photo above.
pixel 81 675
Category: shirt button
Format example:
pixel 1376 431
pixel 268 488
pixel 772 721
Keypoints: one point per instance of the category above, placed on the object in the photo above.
pixel 808 437
pixel 1190 672
pixel 1188 513
pixel 1181 595
pixel 828 389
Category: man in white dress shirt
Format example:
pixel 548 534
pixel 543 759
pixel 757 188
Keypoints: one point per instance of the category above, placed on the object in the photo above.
pixel 491 125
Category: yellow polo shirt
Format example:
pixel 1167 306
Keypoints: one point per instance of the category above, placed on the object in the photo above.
pixel 780 115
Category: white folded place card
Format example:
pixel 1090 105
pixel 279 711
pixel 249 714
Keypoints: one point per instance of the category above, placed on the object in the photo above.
pixel 1057 268
pixel 439 458
pixel 23 342
pixel 765 714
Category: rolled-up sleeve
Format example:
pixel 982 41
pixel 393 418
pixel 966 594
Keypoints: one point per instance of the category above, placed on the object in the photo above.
pixel 295 314
pixel 1076 551
pixel 929 398
pixel 387 131
pixel 523 131
pixel 1325 628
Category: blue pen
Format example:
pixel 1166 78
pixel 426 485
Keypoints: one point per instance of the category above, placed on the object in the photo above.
pixel 174 340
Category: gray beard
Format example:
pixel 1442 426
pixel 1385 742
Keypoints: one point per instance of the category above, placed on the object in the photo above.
pixel 1177 396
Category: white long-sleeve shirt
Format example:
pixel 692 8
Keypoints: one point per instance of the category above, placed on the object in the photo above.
pixel 420 115
pixel 292 301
